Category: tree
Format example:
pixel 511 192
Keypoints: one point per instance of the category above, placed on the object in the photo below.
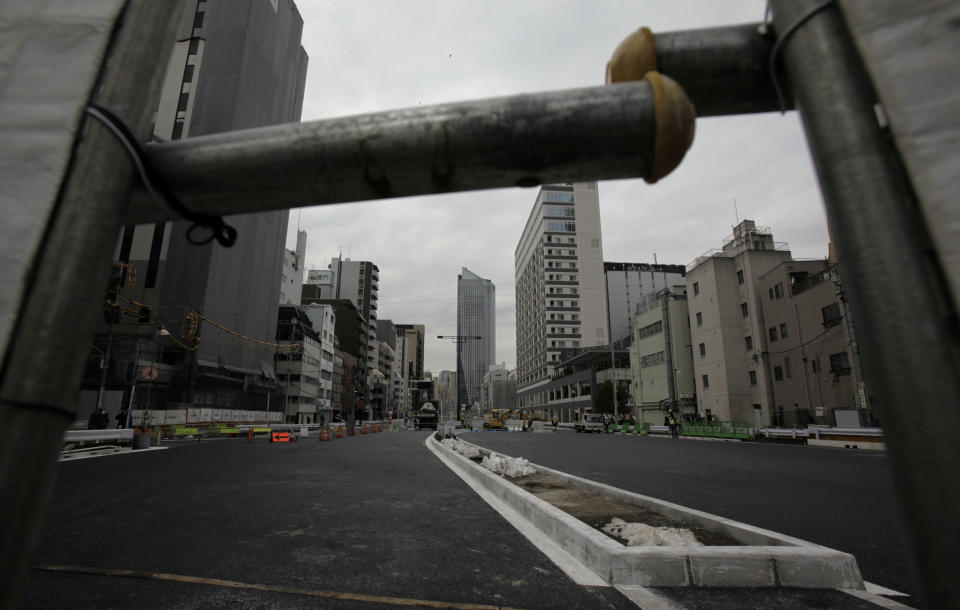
pixel 603 397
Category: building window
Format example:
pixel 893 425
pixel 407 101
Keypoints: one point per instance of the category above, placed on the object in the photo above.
pixel 778 290
pixel 650 329
pixel 696 288
pixel 778 373
pixel 749 341
pixel 703 350
pixel 706 381
pixel 770 292
pixel 652 360
pixel 831 315
pixel 839 365
pixel 753 378
pixel 773 333
pixel 783 330
pixel 699 318
pixel 786 367
pixel 740 276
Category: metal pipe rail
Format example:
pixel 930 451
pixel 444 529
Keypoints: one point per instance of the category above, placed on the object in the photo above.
pixel 594 133
pixel 724 70
pixel 907 323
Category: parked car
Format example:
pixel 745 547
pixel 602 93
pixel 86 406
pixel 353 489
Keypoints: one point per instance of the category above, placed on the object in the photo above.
pixel 590 422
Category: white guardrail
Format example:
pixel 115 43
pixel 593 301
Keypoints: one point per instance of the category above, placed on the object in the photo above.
pixel 87 436
pixel 818 431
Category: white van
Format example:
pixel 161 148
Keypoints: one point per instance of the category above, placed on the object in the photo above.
pixel 590 422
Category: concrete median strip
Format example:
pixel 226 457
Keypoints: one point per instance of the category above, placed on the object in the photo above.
pixel 765 559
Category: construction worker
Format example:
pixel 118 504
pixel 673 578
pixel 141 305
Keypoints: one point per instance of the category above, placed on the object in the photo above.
pixel 671 421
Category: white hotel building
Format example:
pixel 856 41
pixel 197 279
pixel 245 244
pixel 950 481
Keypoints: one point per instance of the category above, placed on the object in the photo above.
pixel 560 294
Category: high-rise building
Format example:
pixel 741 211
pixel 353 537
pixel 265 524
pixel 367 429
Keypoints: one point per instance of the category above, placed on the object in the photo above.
pixel 477 335
pixel 410 353
pixel 358 281
pixel 560 292
pixel 236 65
pixel 292 277
pixel 387 336
pixel 299 374
pixel 632 287
pixel 499 390
pixel 447 391
pixel 324 319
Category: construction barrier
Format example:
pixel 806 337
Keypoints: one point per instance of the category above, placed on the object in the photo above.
pixel 363 429
pixel 738 430
pixel 339 433
pixel 280 437
pixel 324 434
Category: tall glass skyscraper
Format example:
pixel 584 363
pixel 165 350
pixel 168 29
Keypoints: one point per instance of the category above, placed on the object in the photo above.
pixel 476 317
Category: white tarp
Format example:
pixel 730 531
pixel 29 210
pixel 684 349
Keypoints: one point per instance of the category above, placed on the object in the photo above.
pixel 465 449
pixel 508 466
pixel 641 534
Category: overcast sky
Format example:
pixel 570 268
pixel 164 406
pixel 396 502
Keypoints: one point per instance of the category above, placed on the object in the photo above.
pixel 370 56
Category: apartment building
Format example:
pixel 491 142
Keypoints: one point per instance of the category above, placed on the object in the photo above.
pixel 727 327
pixel 814 366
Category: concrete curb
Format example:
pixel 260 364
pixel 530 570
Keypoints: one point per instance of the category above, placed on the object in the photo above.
pixel 769 559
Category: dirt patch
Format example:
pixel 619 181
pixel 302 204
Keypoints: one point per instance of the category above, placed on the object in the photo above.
pixel 597 511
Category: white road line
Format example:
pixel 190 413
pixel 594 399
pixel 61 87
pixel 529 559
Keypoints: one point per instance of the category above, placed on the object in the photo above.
pixel 570 565
pixel 878 590
pixel 645 598
pixel 75 457
pixel 879 600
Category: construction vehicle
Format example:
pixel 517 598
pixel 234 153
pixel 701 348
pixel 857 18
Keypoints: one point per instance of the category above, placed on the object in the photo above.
pixel 497 419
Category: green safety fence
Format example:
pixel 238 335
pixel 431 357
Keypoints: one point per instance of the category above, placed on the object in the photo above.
pixel 739 430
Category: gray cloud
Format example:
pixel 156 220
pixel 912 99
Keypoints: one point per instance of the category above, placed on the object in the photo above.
pixel 370 56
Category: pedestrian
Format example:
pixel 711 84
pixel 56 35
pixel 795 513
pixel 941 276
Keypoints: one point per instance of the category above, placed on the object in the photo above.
pixel 103 419
pixel 674 426
pixel 122 418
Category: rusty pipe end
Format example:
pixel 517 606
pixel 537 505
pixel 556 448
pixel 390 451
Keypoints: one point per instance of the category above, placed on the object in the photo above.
pixel 633 57
pixel 676 120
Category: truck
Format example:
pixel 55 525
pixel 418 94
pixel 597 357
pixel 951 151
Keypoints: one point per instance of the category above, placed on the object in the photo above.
pixel 426 417
pixel 589 422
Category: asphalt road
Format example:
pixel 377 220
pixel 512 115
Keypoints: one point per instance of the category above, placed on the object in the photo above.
pixel 839 498
pixel 341 522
